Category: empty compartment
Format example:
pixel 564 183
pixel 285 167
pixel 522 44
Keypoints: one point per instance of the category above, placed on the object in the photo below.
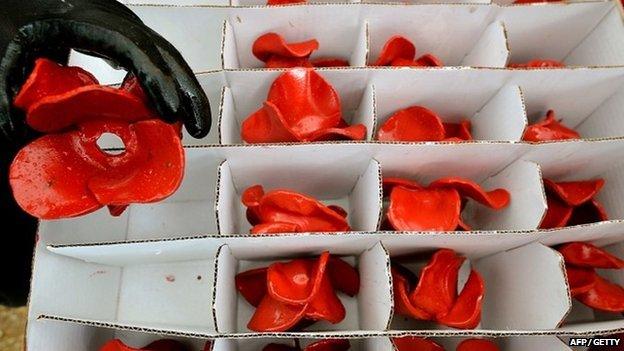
pixel 579 34
pixel 506 305
pixel 247 91
pixel 352 184
pixel 339 33
pixel 189 211
pixel 521 179
pixel 458 35
pixel 370 309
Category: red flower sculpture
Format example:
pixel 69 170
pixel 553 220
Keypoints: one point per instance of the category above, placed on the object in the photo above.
pixel 300 106
pixel 415 343
pixel 66 174
pixel 297 293
pixel 159 345
pixel 285 2
pixel 286 211
pixel 275 52
pixel 549 129
pixel 581 260
pixel 572 203
pixel 537 63
pixel 399 51
pixel 417 123
pixel 323 345
pixel 434 295
pixel 437 206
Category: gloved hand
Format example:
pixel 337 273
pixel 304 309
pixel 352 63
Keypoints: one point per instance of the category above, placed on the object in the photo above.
pixel 30 29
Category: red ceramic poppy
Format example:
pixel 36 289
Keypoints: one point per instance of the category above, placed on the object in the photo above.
pixel 417 123
pixel 43 187
pixel 275 52
pixel 285 2
pixel 323 345
pixel 280 210
pixel 288 294
pixel 604 296
pixel 549 129
pixel 435 296
pixel 572 203
pixel 159 345
pixel 587 255
pixel 537 63
pixel 415 343
pixel 400 51
pixel 438 206
pixel 300 106
pixel 343 276
pixel 580 280
pixel 477 345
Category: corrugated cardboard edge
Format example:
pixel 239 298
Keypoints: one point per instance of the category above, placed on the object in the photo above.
pixel 214 287
pixel 217 196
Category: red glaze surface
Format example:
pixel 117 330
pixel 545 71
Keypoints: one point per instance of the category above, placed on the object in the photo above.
pixel 496 199
pixel 343 276
pixel 574 193
pixel 273 44
pixel 558 213
pixel 159 345
pixel 604 296
pixel 414 123
pixel 297 281
pixel 424 209
pixel 397 47
pixel 477 345
pixel 273 315
pixel 549 129
pixel 537 63
pixel 587 255
pixel 580 280
pixel 252 285
pixel 402 303
pixel 466 312
pixel 415 343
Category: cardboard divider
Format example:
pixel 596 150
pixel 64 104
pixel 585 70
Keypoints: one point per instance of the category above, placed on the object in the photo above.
pixel 369 310
pixel 492 49
pixel 339 34
pixel 565 33
pixel 353 185
pixel 521 179
pixel 525 287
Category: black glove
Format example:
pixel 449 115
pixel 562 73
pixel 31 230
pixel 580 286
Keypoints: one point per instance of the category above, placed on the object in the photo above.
pixel 30 29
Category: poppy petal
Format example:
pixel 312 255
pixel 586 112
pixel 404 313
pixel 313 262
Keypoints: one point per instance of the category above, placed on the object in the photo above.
pixel 390 182
pixel 437 285
pixel 466 312
pixel 117 345
pixel 297 281
pixel 252 195
pixel 402 62
pixel 424 209
pixel 590 212
pixel 429 60
pixel 339 210
pixel 353 132
pixel 57 112
pixel 329 345
pixel 415 343
pixel 604 296
pixel 266 125
pixel 414 123
pixel 252 284
pixel 306 212
pixel 558 213
pixel 402 304
pixel 285 2
pixel 273 44
pixel 116 210
pixel 343 276
pixel 496 199
pixel 273 316
pixel 132 85
pixel 537 63
pixel 280 347
pixel 276 61
pixel 574 193
pixel 146 176
pixel 549 129
pixel 306 101
pixel 580 279
pixel 463 225
pixel 49 78
pixel 165 345
pixel 477 345
pixel 459 130
pixel 325 305
pixel 396 47
pixel 275 228
pixel 329 62
pixel 587 255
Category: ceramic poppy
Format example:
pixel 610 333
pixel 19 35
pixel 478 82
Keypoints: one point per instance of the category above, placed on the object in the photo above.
pixel 285 2
pixel 417 123
pixel 297 292
pixel 300 106
pixel 284 211
pixel 400 51
pixel 537 63
pixel 586 285
pixel 159 345
pixel 275 52
pixel 415 343
pixel 438 207
pixel 322 345
pixel 433 296
pixel 549 129
pixel 572 203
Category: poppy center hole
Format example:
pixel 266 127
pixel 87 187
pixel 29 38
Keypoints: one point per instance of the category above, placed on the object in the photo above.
pixel 111 144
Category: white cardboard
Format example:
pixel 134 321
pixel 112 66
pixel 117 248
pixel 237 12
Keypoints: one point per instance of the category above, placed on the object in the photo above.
pixel 491 50
pixel 503 117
